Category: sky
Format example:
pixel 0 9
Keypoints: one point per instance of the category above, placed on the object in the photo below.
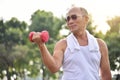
pixel 101 10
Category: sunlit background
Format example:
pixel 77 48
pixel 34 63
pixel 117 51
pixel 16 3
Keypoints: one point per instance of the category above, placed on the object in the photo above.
pixel 101 10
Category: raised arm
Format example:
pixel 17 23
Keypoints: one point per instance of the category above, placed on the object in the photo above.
pixel 52 62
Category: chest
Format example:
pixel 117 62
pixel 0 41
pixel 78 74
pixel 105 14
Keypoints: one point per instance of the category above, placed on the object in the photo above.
pixel 82 56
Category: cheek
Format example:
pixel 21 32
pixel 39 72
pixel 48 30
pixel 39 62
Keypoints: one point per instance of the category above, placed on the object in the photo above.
pixel 81 23
pixel 80 26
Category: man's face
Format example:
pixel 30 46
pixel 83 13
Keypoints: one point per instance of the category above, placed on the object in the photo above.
pixel 75 20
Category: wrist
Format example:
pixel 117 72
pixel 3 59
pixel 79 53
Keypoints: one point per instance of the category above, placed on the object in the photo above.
pixel 41 45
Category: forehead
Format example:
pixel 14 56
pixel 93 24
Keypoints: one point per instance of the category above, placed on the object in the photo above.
pixel 74 11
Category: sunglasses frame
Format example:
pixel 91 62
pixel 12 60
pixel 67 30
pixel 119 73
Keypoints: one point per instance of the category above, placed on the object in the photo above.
pixel 73 17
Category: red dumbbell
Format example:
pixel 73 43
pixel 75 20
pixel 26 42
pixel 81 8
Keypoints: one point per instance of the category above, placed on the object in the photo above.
pixel 44 36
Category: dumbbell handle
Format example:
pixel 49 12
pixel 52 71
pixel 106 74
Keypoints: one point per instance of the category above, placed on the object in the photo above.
pixel 44 36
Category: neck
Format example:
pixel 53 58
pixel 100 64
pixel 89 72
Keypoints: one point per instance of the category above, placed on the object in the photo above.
pixel 81 37
pixel 80 34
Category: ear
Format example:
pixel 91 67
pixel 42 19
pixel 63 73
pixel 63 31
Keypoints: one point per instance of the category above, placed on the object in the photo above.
pixel 86 18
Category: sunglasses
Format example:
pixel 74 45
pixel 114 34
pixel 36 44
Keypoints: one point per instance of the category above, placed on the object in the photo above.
pixel 73 17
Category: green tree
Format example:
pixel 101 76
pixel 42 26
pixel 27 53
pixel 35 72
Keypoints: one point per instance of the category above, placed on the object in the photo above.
pixel 113 39
pixel 42 20
pixel 11 34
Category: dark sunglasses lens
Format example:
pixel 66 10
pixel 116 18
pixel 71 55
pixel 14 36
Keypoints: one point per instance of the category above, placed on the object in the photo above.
pixel 68 18
pixel 74 17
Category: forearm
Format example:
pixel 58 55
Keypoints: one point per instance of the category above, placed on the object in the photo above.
pixel 106 76
pixel 47 58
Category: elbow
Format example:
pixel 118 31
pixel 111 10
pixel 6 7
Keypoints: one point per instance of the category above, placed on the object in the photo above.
pixel 53 70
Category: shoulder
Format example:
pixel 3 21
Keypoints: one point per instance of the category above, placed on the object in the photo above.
pixel 61 44
pixel 62 41
pixel 103 46
pixel 101 42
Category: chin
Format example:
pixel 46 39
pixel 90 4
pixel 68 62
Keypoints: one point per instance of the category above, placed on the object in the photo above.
pixel 73 30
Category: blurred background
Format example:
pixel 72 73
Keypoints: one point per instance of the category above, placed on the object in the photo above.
pixel 21 60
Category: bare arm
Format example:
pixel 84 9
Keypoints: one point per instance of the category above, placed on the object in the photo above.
pixel 52 62
pixel 104 65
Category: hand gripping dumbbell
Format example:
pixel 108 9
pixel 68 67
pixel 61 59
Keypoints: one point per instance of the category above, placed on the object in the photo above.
pixel 44 36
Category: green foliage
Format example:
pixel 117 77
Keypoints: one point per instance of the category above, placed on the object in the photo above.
pixel 114 24
pixel 113 39
pixel 11 34
pixel 42 20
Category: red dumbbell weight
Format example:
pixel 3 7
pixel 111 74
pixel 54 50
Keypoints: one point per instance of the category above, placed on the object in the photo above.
pixel 44 36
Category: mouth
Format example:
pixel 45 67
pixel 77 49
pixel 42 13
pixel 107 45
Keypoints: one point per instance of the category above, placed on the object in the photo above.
pixel 72 26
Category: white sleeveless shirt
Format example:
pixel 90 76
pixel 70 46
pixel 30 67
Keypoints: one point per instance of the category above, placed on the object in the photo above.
pixel 81 62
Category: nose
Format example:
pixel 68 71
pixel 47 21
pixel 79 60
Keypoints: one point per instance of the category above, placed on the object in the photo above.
pixel 70 22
